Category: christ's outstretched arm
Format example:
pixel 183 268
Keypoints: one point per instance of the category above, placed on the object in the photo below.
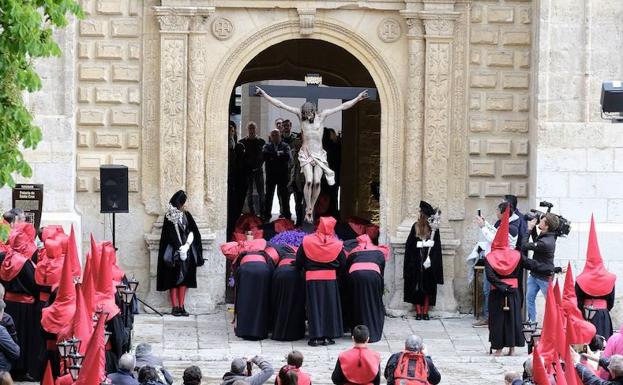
pixel 346 105
pixel 278 103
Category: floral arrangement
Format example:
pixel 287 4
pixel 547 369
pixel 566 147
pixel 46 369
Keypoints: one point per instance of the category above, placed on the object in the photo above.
pixel 291 238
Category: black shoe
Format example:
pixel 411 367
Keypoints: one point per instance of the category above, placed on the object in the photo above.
pixel 183 312
pixel 176 311
pixel 313 342
pixel 418 316
pixel 328 341
pixel 425 317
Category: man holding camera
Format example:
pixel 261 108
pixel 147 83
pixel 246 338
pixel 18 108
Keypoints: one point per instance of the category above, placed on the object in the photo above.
pixel 541 265
pixel 241 371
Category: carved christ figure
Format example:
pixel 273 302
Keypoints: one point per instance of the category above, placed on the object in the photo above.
pixel 312 157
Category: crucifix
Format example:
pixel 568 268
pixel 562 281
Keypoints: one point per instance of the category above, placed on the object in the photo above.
pixel 312 157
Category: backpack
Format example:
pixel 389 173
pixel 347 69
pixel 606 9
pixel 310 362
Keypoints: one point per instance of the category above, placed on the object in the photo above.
pixel 411 369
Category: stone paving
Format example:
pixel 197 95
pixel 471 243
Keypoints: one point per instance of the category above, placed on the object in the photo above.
pixel 208 341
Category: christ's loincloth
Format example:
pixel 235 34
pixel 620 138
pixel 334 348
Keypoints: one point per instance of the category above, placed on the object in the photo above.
pixel 305 158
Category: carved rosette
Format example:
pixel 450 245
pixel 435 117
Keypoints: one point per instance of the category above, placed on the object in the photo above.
pixel 307 16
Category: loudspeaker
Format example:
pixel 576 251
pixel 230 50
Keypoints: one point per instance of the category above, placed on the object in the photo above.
pixel 612 97
pixel 113 188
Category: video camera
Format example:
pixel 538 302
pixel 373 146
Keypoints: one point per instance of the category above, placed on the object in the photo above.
pixel 564 225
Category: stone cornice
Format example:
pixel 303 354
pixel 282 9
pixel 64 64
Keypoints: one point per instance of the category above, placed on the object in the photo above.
pixel 183 19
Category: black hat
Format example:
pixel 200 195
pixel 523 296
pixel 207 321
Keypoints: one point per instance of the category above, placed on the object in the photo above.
pixel 178 199
pixel 426 208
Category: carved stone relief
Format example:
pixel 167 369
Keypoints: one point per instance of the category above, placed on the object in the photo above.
pixel 389 30
pixel 307 16
pixel 222 28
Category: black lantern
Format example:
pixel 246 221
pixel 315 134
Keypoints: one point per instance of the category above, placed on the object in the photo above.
pixel 536 337
pixel 127 296
pixel 76 359
pixel 74 370
pixel 133 283
pixel 64 348
pixel 589 312
pixel 120 289
pixel 75 344
pixel 527 331
pixel 107 337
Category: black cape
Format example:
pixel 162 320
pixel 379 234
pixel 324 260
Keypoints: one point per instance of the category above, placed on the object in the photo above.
pixel 118 341
pixel 505 328
pixel 252 306
pixel 419 282
pixel 288 300
pixel 601 320
pixel 366 292
pixel 324 308
pixel 185 273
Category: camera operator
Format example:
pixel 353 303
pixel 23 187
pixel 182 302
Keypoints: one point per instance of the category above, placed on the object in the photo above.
pixel 541 265
pixel 241 371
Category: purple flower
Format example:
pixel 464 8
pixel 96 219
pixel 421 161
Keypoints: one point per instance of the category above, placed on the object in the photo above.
pixel 291 238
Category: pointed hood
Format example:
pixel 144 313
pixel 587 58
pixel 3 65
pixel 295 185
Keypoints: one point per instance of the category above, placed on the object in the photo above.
pixel 539 375
pixel 81 325
pixel 502 258
pixel 323 246
pixel 231 250
pixel 72 253
pixel 560 374
pixel 365 243
pixel 22 239
pixel 116 273
pixel 50 264
pixel 51 231
pixel 548 345
pixel 56 316
pixel 595 280
pixel 579 331
pixel 557 294
pixel 12 264
pixel 104 290
pixel 48 379
pixel 93 366
pixel 88 279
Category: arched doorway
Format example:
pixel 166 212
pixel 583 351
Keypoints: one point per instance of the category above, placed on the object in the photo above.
pixel 354 151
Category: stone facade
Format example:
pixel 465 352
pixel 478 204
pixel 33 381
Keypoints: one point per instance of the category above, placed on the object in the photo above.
pixel 478 99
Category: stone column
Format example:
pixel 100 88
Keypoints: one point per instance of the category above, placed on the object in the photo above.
pixel 173 111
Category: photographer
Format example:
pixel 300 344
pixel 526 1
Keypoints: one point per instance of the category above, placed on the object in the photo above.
pixel 241 370
pixel 615 369
pixel 541 265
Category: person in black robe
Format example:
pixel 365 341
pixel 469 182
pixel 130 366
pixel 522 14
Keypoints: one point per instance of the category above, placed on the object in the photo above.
pixel 236 179
pixel 287 298
pixel 17 275
pixel 178 271
pixel 423 265
pixel 365 265
pixel 321 256
pixel 594 288
pixel 332 144
pixel 253 269
pixel 503 268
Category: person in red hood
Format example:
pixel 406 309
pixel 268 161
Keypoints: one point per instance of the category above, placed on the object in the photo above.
pixel 253 270
pixel 594 287
pixel 364 270
pixel 22 240
pixel 359 365
pixel 287 297
pixel 321 255
pixel 503 268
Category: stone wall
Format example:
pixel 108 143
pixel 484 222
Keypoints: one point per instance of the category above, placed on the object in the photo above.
pixel 579 156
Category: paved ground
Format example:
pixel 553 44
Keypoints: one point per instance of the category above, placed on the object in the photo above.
pixel 208 341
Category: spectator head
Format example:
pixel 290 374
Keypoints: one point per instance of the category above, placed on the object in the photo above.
pixel 251 129
pixel 509 377
pixel 232 129
pixel 549 223
pixel 147 373
pixel 527 367
pixel 279 124
pixel 19 215
pixel 192 376
pixel 239 366
pixel 2 304
pixel 275 136
pixel 414 343
pixel 143 349
pixel 127 362
pixel 178 200
pixel 9 217
pixel 616 366
pixel 295 358
pixel 501 208
pixel 598 343
pixel 287 127
pixel 361 334
pixel 2 291
pixel 5 378
pixel 512 199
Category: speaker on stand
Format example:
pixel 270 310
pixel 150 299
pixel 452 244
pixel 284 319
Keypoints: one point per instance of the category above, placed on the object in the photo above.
pixel 113 192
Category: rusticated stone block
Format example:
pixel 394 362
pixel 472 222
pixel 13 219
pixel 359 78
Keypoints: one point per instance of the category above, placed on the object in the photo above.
pixel 516 38
pixel 129 160
pixel 92 28
pixel 107 50
pixel 497 189
pixel 133 184
pixel 473 189
pixel 91 161
pixel 134 8
pixel 125 73
pixel 521 147
pixel 476 16
pixel 474 146
pixel 124 117
pixel 134 51
pixel 498 146
pixel 499 102
pixel 134 95
pixel 475 56
pixel 525 15
pixel 109 7
pixel 82 184
pixel 483 36
pixel 519 126
pixel 109 95
pixel 125 28
pixel 96 184
pixel 515 81
pixel 500 14
pixel 108 139
pixel 91 117
pixel 520 189
pixel 515 168
pixel 477 124
pixel 83 139
pixel 483 80
pixel 500 58
pixel 482 167
pixel 523 59
pixel 475 101
pixel 84 50
pixel 134 139
pixel 523 103
pixel 84 94
pixel 93 72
